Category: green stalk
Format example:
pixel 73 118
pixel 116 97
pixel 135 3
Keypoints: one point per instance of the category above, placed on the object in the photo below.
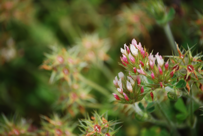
pixel 170 124
pixel 170 38
pixel 94 85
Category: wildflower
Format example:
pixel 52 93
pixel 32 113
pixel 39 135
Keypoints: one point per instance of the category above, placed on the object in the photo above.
pixel 166 65
pixel 121 75
pixel 116 96
pixel 134 69
pixel 159 59
pixel 160 70
pixel 141 71
pixel 120 90
pixel 138 80
pixel 132 59
pixel 142 64
pixel 133 50
pixel 115 81
pixel 129 86
pixel 152 95
pixel 151 60
pixel 142 89
pixel 152 75
pixel 126 97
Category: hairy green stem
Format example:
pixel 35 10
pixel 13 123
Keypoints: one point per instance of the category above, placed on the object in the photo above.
pixel 94 85
pixel 170 38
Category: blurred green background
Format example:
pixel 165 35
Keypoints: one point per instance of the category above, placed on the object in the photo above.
pixel 29 27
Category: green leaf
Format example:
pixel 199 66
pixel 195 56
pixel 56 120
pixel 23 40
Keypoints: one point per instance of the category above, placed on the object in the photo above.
pixel 181 84
pixel 180 106
pixel 141 106
pixel 150 109
pixel 181 116
pixel 172 96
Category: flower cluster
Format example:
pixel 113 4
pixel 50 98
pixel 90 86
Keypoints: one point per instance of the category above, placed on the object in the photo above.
pixel 143 67
pixel 93 49
pixel 188 68
pixel 130 89
pixel 74 98
pixel 63 63
pixel 56 126
pixel 98 126
pixel 16 127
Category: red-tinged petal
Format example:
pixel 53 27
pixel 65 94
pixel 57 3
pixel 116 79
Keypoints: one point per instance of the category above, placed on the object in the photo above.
pixel 142 90
pixel 138 80
pixel 116 96
pixel 126 97
pixel 172 73
pixel 190 68
pixel 142 64
pixel 152 75
pixel 160 70
pixel 134 69
pixel 152 95
pixel 176 68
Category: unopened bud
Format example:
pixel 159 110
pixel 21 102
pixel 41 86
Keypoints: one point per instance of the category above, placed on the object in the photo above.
pixel 134 69
pixel 116 96
pixel 161 84
pixel 138 80
pixel 126 97
pixel 60 59
pixel 125 59
pixel 132 59
pixel 160 70
pixel 172 73
pixel 166 65
pixel 152 75
pixel 142 90
pixel 142 64
pixel 152 95
pixel 120 90
pixel 129 86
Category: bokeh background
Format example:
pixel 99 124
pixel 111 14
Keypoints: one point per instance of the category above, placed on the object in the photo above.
pixel 29 27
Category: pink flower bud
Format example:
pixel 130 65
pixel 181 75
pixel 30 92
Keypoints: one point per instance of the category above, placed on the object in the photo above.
pixel 166 65
pixel 65 71
pixel 152 95
pixel 134 69
pixel 161 84
pixel 143 53
pixel 125 59
pixel 123 63
pixel 141 71
pixel 120 90
pixel 126 97
pixel 138 80
pixel 132 59
pixel 142 89
pixel 107 134
pixel 152 75
pixel 127 48
pixel 160 70
pixel 116 96
pixel 142 64
pixel 115 81
pixel 129 86
pixel 171 74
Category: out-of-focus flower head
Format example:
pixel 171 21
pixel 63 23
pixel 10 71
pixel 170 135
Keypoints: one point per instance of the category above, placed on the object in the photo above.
pixel 16 127
pixel 8 50
pixel 93 49
pixel 56 126
pixel 159 11
pixel 188 67
pixel 98 126
pixel 74 98
pixel 18 10
pixel 133 21
pixel 63 63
